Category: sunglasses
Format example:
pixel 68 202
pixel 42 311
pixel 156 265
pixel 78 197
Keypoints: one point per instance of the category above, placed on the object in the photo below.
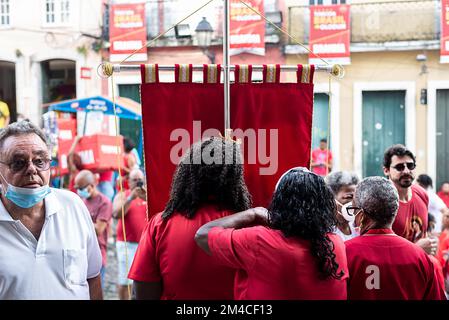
pixel 351 210
pixel 401 166
pixel 41 164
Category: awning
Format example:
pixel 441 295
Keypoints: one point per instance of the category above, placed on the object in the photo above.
pixel 125 107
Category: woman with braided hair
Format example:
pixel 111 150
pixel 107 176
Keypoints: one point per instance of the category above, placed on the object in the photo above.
pixel 291 253
pixel 208 184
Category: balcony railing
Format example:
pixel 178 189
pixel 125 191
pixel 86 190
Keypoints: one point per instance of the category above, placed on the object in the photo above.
pixel 380 21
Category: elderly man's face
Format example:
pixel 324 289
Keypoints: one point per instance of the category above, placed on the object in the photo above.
pixel 135 177
pixel 28 149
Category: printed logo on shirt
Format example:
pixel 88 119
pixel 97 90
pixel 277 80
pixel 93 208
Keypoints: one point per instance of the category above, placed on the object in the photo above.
pixel 373 279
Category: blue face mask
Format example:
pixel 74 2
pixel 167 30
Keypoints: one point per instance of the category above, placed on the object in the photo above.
pixel 26 197
pixel 83 193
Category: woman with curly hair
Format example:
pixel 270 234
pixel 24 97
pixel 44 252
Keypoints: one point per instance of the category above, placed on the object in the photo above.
pixel 295 255
pixel 208 184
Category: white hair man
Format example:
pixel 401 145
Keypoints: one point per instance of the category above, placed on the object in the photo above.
pixel 47 233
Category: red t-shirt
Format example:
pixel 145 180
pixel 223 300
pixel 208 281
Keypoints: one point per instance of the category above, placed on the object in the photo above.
pixel 272 266
pixel 438 270
pixel 106 176
pixel 135 220
pixel 100 208
pixel 443 248
pixel 72 178
pixel 384 266
pixel 320 156
pixel 168 252
pixel 413 214
pixel 444 197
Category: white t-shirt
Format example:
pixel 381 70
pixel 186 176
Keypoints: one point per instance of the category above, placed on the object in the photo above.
pixel 59 264
pixel 435 206
pixel 346 237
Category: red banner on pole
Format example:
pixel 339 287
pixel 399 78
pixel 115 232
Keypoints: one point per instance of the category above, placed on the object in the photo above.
pixel 128 32
pixel 247 28
pixel 330 34
pixel 444 58
pixel 175 115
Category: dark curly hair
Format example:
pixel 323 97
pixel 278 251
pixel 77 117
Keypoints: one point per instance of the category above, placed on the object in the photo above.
pixel 210 172
pixel 396 150
pixel 303 206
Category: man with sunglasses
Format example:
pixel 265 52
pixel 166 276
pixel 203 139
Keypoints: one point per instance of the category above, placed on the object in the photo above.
pixel 411 221
pixel 48 246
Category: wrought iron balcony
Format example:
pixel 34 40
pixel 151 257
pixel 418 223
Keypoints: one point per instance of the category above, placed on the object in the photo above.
pixel 379 22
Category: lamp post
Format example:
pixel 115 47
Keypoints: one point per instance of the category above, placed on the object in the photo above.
pixel 204 33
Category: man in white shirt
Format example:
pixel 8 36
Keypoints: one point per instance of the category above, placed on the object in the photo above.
pixel 436 205
pixel 48 246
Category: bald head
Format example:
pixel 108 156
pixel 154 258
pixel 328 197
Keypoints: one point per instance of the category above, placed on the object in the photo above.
pixel 135 176
pixel 85 177
pixel 86 184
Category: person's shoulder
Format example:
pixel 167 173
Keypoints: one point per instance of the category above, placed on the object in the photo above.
pixel 69 203
pixel 67 197
pixel 104 199
pixel 409 247
pixel 420 191
pixel 336 239
pixel 354 242
pixel 156 219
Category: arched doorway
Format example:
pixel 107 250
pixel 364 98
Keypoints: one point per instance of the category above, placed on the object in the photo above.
pixel 58 80
pixel 8 87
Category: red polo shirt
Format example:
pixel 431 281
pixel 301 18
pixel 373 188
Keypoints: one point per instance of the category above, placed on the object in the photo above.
pixel 271 266
pixel 402 270
pixel 414 210
pixel 135 220
pixel 168 252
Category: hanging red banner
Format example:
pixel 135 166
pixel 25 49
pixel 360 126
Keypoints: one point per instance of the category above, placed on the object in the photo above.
pixel 330 34
pixel 127 32
pixel 247 28
pixel 444 58
pixel 272 120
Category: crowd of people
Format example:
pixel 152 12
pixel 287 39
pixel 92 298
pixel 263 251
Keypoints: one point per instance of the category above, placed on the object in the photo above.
pixel 324 236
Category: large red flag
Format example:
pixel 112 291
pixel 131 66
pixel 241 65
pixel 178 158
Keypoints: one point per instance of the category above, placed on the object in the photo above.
pixel 272 119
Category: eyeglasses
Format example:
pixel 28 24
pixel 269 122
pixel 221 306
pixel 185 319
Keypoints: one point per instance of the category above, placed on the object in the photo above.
pixel 350 209
pixel 41 164
pixel 401 166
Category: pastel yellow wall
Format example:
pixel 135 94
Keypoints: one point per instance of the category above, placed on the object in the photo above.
pixel 382 67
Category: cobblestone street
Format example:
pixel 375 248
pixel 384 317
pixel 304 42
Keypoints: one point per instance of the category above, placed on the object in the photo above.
pixel 110 285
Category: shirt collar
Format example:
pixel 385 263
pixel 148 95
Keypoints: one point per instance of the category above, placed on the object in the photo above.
pixel 52 205
pixel 4 215
pixel 379 231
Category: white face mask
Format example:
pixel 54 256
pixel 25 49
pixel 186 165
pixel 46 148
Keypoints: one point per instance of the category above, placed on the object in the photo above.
pixel 344 212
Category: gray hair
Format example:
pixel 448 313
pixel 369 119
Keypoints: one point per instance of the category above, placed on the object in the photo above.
pixel 337 180
pixel 378 198
pixel 19 129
